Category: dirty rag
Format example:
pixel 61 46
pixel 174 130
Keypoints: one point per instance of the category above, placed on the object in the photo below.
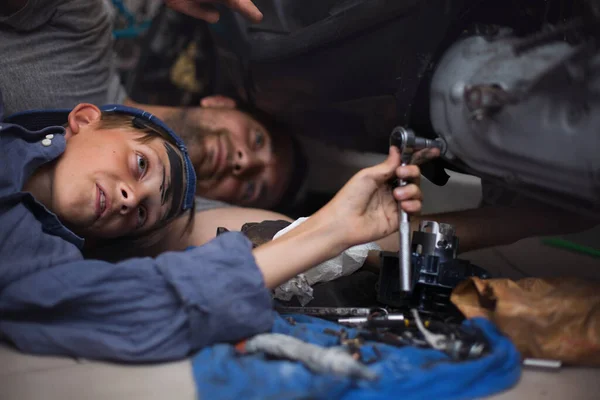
pixel 409 373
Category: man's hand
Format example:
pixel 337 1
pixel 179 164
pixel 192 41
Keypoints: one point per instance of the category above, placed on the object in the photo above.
pixel 422 156
pixel 366 208
pixel 204 9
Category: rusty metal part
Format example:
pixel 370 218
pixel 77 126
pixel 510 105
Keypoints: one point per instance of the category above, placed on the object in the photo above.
pixel 484 100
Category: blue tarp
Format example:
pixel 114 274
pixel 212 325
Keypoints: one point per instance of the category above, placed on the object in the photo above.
pixel 405 373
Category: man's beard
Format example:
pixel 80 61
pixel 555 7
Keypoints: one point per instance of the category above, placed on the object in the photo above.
pixel 202 157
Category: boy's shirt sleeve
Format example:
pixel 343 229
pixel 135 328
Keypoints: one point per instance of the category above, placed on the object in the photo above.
pixel 141 309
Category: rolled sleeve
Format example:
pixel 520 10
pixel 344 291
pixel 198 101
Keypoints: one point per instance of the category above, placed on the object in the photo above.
pixel 142 309
pixel 227 302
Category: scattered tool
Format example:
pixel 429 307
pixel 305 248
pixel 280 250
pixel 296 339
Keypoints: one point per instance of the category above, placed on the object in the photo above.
pixel 468 345
pixel 331 313
pixel 457 341
pixel 352 344
pixel 408 143
pixel 538 363
pixel 374 320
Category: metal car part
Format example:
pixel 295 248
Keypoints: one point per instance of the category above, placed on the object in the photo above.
pixel 435 238
pixel 524 112
pixel 435 271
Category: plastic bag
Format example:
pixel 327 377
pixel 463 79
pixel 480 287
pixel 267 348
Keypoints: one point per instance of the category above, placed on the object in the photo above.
pixel 553 318
pixel 344 264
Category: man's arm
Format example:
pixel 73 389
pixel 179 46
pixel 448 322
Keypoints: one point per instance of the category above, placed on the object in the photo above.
pixel 497 226
pixel 476 229
pixel 183 233
pixel 232 218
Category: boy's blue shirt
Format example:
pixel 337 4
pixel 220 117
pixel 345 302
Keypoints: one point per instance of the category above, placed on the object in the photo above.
pixel 53 301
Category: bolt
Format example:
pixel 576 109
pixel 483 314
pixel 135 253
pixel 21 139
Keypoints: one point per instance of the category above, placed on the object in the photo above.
pixel 473 96
pixel 457 92
pixel 478 115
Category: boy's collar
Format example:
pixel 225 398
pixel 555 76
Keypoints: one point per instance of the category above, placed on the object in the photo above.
pixel 36 120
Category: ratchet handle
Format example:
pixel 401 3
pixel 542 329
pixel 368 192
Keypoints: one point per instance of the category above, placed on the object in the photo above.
pixel 404 248
pixel 407 142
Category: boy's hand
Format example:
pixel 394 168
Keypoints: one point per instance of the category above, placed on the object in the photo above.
pixel 204 9
pixel 366 208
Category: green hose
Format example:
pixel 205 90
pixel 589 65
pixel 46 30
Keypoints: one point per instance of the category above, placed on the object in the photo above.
pixel 568 245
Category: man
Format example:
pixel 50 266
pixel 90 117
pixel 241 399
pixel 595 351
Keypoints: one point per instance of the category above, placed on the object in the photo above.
pixel 349 90
pixel 327 168
pixel 238 159
pixel 73 64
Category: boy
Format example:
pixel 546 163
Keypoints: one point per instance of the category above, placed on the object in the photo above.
pixel 84 173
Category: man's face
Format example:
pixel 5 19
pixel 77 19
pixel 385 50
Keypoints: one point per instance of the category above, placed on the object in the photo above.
pixel 237 160
pixel 107 184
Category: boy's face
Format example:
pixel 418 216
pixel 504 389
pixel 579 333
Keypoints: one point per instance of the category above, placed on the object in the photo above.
pixel 107 184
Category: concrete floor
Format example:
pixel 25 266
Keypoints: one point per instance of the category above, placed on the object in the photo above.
pixel 24 377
